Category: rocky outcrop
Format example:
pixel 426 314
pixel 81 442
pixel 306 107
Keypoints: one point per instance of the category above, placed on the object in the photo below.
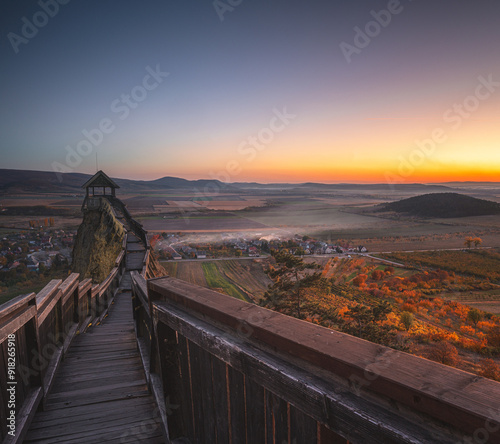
pixel 98 243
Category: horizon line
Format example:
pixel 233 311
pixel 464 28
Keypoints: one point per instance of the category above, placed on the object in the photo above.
pixel 269 183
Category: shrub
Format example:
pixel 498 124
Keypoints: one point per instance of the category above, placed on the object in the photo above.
pixel 489 369
pixel 445 353
pixel 407 320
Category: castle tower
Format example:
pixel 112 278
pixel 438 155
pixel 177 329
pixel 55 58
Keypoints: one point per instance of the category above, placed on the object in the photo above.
pixel 98 186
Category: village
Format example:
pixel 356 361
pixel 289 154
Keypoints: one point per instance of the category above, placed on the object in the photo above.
pixel 178 246
pixel 37 250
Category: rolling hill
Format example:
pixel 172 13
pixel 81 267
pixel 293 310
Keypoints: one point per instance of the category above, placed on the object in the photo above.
pixel 27 181
pixel 443 205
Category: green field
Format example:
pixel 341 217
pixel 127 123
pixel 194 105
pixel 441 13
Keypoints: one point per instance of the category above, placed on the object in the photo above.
pixel 242 279
pixel 218 281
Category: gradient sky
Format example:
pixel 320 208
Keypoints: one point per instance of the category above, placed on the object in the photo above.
pixel 353 122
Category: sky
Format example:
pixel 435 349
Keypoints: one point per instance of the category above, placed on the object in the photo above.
pixel 395 91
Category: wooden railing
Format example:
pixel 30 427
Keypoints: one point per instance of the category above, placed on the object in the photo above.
pixel 230 371
pixel 135 226
pixel 38 329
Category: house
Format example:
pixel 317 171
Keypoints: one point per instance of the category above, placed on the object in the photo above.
pixel 253 252
pixel 67 241
pixel 362 249
pixel 32 263
pixel 201 255
pixel 14 265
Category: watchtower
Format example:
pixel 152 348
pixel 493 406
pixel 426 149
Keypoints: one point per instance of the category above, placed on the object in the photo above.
pixel 98 186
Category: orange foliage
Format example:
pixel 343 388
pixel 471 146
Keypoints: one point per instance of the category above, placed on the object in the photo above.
pixel 468 330
pixel 360 280
pixel 445 353
pixel 489 369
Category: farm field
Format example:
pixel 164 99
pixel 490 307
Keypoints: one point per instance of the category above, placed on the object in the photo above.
pixel 207 222
pixel 484 264
pixel 486 301
pixel 187 271
pixel 22 222
pixel 243 279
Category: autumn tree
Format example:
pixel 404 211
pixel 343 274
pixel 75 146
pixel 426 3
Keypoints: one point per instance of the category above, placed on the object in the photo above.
pixel 377 275
pixel 477 241
pixel 300 251
pixel 445 353
pixel 468 242
pixel 290 276
pixel 364 322
pixel 360 279
pixel 493 337
pixel 407 320
pixel 489 369
pixel 474 316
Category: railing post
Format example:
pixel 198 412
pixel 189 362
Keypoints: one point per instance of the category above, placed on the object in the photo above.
pixel 167 367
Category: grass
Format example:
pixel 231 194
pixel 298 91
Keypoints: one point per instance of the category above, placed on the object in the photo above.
pixel 16 290
pixel 4 231
pixel 171 268
pixel 217 281
pixel 247 275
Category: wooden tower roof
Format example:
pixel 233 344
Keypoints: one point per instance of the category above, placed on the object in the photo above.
pixel 100 179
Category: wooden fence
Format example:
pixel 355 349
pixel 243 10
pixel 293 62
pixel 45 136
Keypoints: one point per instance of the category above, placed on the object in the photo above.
pixel 35 332
pixel 232 372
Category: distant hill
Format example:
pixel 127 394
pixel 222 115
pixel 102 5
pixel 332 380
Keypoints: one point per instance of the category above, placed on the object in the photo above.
pixel 27 181
pixel 443 205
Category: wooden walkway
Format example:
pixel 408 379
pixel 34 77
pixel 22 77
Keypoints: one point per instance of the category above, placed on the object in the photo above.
pixel 100 392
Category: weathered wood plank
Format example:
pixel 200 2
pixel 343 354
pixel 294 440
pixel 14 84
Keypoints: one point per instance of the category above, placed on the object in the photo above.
pixel 141 290
pixel 78 428
pixel 15 323
pixel 187 400
pixel 69 286
pixel 236 386
pixel 48 306
pixel 201 380
pixel 255 411
pixel 14 304
pixel 170 377
pixel 220 402
pixel 327 436
pixel 47 292
pixel 279 409
pixel 302 427
pixel 87 413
